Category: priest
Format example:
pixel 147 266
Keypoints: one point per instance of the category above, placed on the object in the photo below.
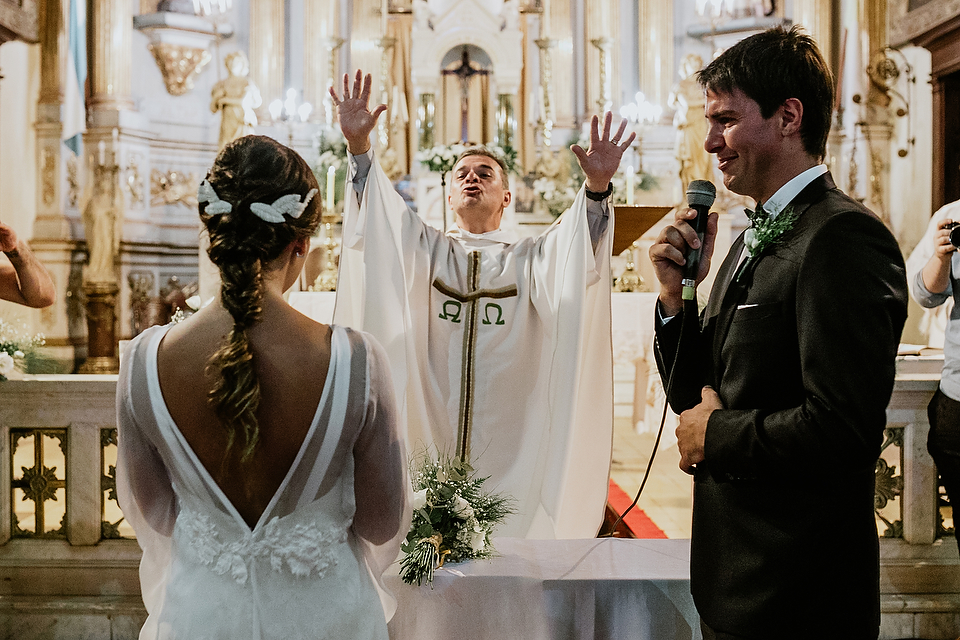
pixel 500 348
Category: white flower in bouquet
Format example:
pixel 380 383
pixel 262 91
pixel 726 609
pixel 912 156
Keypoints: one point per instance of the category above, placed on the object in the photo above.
pixel 420 499
pixel 452 518
pixel 6 363
pixel 474 536
pixel 462 508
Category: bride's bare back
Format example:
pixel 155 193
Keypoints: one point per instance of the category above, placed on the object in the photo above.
pixel 292 356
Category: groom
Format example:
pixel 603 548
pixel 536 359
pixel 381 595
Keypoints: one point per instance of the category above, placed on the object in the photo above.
pixel 783 386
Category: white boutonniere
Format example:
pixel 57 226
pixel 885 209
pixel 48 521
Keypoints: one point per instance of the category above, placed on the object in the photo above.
pixel 767 232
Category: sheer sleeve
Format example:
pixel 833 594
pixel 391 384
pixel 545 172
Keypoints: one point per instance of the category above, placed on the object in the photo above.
pixel 144 490
pixel 381 487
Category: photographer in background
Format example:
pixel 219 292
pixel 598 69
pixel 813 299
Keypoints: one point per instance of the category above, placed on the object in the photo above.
pixel 22 278
pixel 933 273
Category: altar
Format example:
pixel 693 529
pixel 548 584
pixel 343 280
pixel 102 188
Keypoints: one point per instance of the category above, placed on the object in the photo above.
pixel 596 589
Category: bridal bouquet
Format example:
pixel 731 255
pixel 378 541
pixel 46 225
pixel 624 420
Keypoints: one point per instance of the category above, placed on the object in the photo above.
pixel 453 517
pixel 16 347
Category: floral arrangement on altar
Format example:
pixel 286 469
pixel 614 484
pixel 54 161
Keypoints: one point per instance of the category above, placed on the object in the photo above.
pixel 453 517
pixel 558 188
pixel 17 348
pixel 441 158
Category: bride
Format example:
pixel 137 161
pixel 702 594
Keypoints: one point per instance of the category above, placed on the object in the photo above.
pixel 259 457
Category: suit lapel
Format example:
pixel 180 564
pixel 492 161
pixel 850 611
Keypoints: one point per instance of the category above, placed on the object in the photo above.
pixel 723 305
pixel 720 306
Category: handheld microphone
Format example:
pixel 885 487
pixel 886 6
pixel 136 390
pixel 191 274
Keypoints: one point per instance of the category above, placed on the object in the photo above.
pixel 700 196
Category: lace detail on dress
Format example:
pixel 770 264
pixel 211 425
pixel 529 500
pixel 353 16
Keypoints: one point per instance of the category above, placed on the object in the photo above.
pixel 303 548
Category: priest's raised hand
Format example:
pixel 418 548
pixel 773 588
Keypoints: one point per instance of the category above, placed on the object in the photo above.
pixel 602 159
pixel 353 112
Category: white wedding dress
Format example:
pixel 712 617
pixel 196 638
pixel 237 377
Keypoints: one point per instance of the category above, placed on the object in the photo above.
pixel 302 572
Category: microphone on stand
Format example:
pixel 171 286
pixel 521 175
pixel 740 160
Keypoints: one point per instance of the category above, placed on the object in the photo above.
pixel 700 196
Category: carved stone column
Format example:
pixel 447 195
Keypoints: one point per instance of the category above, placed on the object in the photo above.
pixel 101 307
pixel 319 17
pixel 266 47
pixel 876 120
pixel 873 42
pixel 656 49
pixel 876 165
pixel 817 18
pixel 50 222
pixel 109 56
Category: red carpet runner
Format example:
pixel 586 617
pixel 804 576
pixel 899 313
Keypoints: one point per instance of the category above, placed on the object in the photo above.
pixel 637 521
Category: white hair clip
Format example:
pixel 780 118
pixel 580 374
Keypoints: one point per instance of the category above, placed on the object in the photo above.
pixel 215 206
pixel 289 204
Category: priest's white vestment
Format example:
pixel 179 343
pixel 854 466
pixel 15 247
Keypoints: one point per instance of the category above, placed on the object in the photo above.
pixel 508 343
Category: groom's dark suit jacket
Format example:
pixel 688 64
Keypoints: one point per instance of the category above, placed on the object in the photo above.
pixel 802 353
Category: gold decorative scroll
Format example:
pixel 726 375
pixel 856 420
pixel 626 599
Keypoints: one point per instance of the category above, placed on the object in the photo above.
pixel 179 65
pixel 173 187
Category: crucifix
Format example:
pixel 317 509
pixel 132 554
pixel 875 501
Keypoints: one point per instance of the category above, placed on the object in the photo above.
pixel 464 72
pixel 492 315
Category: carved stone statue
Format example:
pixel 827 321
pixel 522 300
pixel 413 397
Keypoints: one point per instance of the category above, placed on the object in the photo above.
pixel 235 98
pixel 687 99
pixel 102 216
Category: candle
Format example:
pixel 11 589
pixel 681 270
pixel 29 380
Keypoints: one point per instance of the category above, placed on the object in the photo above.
pixel 384 12
pixel 545 20
pixel 331 179
pixel 332 17
pixel 101 153
pixel 605 25
pixel 630 185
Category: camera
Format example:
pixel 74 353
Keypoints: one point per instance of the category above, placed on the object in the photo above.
pixel 954 233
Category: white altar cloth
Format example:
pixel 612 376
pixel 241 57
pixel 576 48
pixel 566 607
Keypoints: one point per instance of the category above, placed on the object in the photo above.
pixel 596 589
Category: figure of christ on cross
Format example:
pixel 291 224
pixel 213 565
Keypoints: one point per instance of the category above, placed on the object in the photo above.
pixel 497 346
pixel 464 73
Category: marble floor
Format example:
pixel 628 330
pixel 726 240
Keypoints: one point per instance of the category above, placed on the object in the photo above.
pixel 667 497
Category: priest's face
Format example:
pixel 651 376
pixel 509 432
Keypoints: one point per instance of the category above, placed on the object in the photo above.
pixel 477 194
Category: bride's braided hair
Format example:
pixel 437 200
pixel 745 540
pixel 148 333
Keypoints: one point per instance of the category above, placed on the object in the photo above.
pixel 250 169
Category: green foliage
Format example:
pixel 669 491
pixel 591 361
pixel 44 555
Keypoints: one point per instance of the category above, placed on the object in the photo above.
pixel 453 518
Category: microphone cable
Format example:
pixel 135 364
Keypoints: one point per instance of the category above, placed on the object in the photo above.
pixel 690 315
pixel 701 195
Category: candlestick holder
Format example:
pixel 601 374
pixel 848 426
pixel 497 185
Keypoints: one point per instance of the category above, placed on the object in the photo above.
pixel 630 280
pixel 327 278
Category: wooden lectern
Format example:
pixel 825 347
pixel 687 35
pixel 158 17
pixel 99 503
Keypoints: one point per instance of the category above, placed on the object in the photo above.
pixel 632 221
